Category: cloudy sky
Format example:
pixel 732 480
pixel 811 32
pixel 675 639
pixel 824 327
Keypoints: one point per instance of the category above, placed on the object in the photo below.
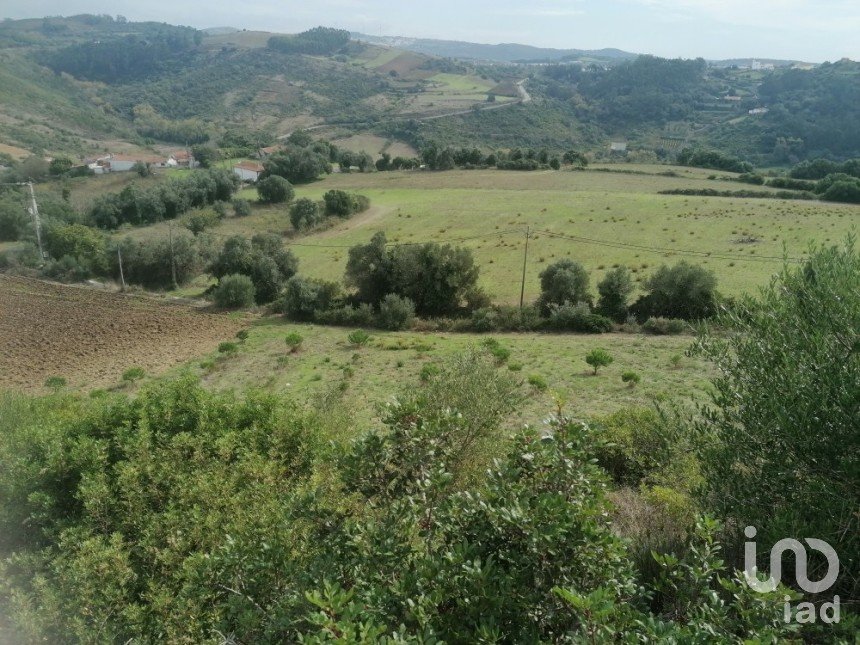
pixel 812 30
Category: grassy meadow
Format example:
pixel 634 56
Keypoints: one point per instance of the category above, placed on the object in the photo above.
pixel 393 361
pixel 620 213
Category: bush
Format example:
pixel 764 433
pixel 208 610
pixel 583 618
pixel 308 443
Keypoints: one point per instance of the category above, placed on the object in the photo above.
pixel 263 259
pixel 359 338
pixel 428 371
pixel 294 341
pixel 199 221
pixel 14 220
pixel 577 318
pixel 228 348
pixel 241 207
pixel 347 316
pixel 396 313
pixel 631 378
pixel 234 291
pixel 274 190
pixel 304 214
pixel 538 382
pixel 664 326
pixel 304 298
pixel 343 204
pixel 505 318
pixel 67 269
pixel 598 358
pixel 133 374
pixel 55 383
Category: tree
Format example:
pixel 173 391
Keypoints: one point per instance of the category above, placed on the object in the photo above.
pixel 274 190
pixel 615 290
pixel 205 155
pixel 304 297
pixel 241 207
pixel 436 278
pixel 304 214
pixel 779 441
pixel 598 358
pixel 369 270
pixel 297 165
pixel 14 220
pixel 263 260
pixel 564 282
pixel 60 166
pixel 683 291
pixel 85 244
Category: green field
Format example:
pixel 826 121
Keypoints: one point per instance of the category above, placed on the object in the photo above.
pixel 618 212
pixel 392 362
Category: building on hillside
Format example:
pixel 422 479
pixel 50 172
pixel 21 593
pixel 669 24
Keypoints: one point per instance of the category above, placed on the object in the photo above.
pixel 248 170
pixel 619 147
pixel 124 163
pixel 182 159
pixel 264 153
pixel 757 111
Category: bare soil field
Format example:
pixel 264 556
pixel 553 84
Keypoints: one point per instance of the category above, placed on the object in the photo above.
pixel 91 337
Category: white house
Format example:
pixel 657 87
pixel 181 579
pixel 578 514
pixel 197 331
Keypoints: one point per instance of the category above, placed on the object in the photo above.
pixel 618 146
pixel 248 170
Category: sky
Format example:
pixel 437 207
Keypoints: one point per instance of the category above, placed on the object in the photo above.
pixel 809 30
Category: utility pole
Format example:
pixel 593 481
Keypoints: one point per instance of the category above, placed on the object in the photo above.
pixel 121 274
pixel 172 258
pixel 37 223
pixel 525 261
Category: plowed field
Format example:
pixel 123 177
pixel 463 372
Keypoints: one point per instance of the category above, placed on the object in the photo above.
pixel 91 337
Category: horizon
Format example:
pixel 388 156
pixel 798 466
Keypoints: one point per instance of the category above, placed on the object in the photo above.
pixel 796 30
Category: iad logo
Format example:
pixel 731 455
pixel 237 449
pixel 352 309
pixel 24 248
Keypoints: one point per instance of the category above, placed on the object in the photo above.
pixel 805 611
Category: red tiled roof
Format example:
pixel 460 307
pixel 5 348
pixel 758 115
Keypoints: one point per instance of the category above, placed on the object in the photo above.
pixel 135 158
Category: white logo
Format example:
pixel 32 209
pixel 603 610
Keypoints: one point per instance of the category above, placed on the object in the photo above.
pixel 806 611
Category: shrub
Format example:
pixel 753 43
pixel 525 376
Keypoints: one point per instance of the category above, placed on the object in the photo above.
pixel 304 214
pixel 274 190
pixel 664 326
pixel 242 335
pixel 67 269
pixel 263 259
pixel 598 358
pixel 359 338
pixel 234 291
pixel 428 371
pixel 294 341
pixel 305 299
pixel 347 316
pixel 228 348
pixel 675 361
pixel 631 378
pixel 396 313
pixel 133 374
pixel 538 382
pixel 241 207
pixel 577 318
pixel 501 354
pixel 14 221
pixel 55 383
pixel 343 204
pixel 505 318
pixel 199 221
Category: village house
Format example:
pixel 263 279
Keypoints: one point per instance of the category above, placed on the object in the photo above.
pixel 249 171
pixel 124 163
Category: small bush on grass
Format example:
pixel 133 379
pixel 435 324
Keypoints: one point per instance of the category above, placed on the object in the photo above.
pixel 235 291
pixel 538 382
pixel 132 375
pixel 599 358
pixel 294 341
pixel 359 338
pixel 631 378
pixel 577 318
pixel 55 383
pixel 228 348
pixel 241 207
pixel 428 371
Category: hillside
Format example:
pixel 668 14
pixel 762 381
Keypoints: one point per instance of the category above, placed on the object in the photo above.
pixel 80 85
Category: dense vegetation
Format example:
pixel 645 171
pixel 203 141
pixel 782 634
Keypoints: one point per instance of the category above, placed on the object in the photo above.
pixel 320 40
pixel 185 515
